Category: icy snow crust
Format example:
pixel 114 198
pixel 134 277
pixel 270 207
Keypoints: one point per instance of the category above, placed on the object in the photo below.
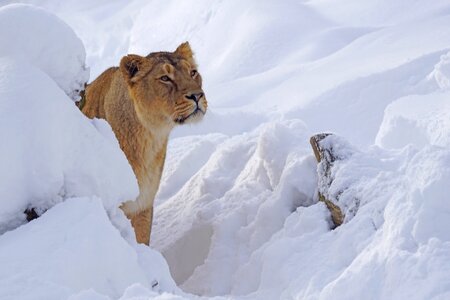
pixel 237 213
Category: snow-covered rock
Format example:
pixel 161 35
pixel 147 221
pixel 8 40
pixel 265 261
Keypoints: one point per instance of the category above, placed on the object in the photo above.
pixel 396 239
pixel 408 253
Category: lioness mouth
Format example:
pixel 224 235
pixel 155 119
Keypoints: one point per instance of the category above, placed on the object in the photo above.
pixel 195 113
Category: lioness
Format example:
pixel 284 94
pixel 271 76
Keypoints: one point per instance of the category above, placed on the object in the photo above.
pixel 142 100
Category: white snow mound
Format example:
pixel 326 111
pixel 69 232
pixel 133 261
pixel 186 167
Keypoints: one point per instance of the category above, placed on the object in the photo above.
pixel 50 150
pixel 416 120
pixel 85 256
pixel 38 37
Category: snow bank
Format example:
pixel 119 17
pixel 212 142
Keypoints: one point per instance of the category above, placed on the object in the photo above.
pixel 416 120
pixel 39 38
pixel 248 232
pixel 73 249
pixel 441 72
pixel 50 151
pixel 420 120
pixel 233 203
pixel 407 256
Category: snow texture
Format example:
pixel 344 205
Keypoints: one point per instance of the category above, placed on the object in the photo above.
pixel 82 261
pixel 51 151
pixel 237 213
pixel 34 36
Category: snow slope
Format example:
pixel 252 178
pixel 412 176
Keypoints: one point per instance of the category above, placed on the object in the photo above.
pixel 237 213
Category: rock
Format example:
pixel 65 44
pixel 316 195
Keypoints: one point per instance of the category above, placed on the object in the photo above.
pixel 326 156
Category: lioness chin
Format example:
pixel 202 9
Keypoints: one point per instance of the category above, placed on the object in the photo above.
pixel 143 100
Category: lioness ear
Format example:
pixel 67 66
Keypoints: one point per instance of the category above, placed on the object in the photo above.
pixel 185 51
pixel 134 67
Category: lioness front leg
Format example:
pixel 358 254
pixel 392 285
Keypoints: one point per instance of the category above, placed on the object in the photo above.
pixel 142 223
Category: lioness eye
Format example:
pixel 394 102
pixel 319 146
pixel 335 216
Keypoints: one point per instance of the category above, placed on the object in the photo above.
pixel 193 73
pixel 165 78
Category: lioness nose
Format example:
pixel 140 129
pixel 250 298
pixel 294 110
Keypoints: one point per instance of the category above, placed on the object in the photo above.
pixel 195 96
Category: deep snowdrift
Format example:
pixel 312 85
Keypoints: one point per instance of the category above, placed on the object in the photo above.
pixel 50 151
pixel 237 211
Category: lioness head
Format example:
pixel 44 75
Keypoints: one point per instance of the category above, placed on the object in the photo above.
pixel 165 87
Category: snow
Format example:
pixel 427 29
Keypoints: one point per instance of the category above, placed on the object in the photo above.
pixel 441 72
pixel 81 260
pixel 50 151
pixel 237 213
pixel 407 256
pixel 44 41
pixel 417 120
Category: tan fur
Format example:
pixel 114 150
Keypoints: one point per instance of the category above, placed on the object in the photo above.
pixel 143 100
